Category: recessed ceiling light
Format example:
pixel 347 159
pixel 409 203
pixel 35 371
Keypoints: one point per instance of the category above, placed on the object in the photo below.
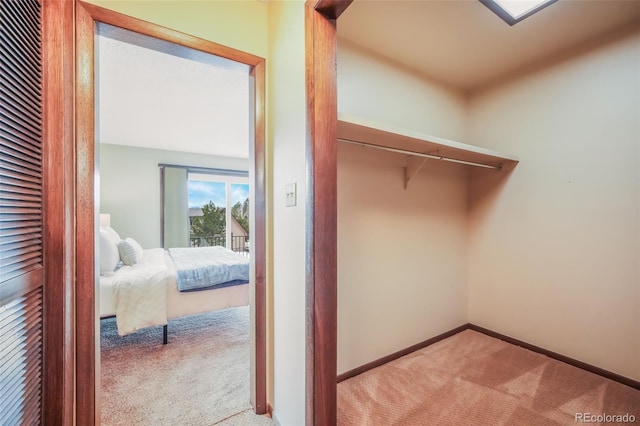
pixel 514 11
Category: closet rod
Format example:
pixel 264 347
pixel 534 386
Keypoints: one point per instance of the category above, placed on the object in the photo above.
pixel 420 154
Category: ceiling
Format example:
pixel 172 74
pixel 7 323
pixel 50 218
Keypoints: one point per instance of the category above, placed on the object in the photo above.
pixel 155 94
pixel 465 45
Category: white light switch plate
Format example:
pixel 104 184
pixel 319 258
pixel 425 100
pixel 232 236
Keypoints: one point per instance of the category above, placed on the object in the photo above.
pixel 290 194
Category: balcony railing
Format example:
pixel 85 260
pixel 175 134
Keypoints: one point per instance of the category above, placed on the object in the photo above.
pixel 239 243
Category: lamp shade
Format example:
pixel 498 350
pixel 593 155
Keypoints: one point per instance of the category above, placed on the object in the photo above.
pixel 105 219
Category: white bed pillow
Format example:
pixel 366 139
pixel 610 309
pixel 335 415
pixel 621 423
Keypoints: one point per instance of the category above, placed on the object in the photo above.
pixel 109 254
pixel 130 251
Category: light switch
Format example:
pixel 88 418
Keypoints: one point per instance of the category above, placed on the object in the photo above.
pixel 290 193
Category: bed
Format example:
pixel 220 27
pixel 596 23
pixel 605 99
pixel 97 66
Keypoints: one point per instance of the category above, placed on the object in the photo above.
pixel 141 288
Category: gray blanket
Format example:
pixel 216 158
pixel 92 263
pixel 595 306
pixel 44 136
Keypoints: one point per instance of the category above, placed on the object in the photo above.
pixel 204 268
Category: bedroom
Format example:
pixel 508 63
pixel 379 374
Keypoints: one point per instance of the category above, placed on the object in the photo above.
pixel 173 128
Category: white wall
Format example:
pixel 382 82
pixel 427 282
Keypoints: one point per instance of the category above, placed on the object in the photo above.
pixel 287 132
pixel 401 254
pixel 130 186
pixel 373 87
pixel 554 250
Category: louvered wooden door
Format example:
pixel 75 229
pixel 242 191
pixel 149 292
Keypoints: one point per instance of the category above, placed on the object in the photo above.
pixel 21 213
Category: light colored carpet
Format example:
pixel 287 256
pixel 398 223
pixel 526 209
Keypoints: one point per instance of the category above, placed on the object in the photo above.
pixel 473 379
pixel 200 378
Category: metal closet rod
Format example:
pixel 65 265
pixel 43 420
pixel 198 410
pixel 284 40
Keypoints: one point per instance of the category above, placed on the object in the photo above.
pixel 420 154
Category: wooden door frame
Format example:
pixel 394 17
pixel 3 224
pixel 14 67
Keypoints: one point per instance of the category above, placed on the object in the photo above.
pixel 58 166
pixel 322 120
pixel 87 15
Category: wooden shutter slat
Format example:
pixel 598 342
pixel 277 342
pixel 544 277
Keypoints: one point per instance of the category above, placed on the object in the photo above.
pixel 12 68
pixel 7 232
pixel 16 269
pixel 7 223
pixel 28 138
pixel 13 235
pixel 17 161
pixel 10 151
pixel 21 357
pixel 8 133
pixel 17 176
pixel 20 119
pixel 12 316
pixel 17 207
pixel 11 331
pixel 23 244
pixel 9 194
pixel 29 71
pixel 26 147
pixel 18 252
pixel 34 219
pixel 21 171
pixel 5 93
pixel 30 46
pixel 31 10
pixel 11 182
pixel 22 51
pixel 32 378
pixel 24 11
pixel 17 86
pixel 18 256
pixel 21 213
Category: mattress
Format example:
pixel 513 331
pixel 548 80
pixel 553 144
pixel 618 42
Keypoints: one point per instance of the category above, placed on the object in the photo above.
pixel 180 304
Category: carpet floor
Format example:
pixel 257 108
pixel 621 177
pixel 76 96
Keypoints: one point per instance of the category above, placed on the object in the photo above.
pixel 473 379
pixel 201 377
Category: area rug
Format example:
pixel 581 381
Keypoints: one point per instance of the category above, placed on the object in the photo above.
pixel 473 379
pixel 201 377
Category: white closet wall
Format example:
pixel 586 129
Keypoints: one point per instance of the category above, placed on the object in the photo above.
pixel 555 252
pixel 550 250
pixel 401 253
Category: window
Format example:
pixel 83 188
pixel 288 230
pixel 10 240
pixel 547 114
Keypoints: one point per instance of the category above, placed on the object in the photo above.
pixel 219 211
pixel 514 11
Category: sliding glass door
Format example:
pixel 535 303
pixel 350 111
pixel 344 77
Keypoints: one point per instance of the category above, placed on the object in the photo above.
pixel 205 207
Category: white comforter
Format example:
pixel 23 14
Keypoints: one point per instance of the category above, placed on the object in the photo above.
pixel 140 293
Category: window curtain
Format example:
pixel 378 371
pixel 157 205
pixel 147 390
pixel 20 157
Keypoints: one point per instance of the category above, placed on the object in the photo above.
pixel 175 208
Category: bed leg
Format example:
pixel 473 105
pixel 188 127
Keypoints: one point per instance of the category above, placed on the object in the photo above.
pixel 164 333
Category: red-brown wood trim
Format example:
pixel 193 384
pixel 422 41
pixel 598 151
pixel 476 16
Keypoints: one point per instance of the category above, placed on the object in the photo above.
pixel 21 285
pixel 86 356
pixel 583 365
pixel 269 410
pixel 399 354
pixel 259 399
pixel 107 16
pixel 58 163
pixel 87 15
pixel 332 9
pixel 321 78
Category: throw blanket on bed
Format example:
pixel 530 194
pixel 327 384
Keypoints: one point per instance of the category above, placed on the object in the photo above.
pixel 140 293
pixel 203 268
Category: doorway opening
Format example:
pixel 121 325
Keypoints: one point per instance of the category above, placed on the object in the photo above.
pixel 90 19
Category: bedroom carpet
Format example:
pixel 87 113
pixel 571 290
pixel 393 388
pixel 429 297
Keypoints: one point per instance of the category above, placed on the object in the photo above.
pixel 472 379
pixel 201 377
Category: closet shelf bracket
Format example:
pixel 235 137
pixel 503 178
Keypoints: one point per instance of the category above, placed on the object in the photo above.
pixel 413 166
